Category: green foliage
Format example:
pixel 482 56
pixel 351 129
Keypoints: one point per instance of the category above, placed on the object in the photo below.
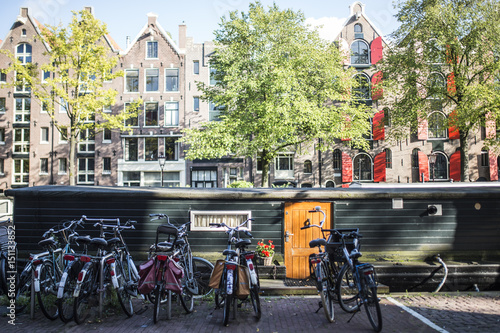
pixel 79 61
pixel 240 184
pixel 457 40
pixel 278 85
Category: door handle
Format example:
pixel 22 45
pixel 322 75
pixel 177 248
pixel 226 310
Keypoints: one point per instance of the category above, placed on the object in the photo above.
pixel 287 236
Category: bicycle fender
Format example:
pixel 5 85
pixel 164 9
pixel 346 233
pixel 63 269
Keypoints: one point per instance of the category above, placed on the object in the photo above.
pixel 114 279
pixel 62 283
pixel 36 281
pixel 229 289
pixel 253 275
pixel 79 282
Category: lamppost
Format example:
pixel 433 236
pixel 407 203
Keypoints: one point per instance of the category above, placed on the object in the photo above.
pixel 432 161
pixel 161 161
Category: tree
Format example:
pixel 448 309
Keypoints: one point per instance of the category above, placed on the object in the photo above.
pixel 275 83
pixel 446 56
pixel 79 62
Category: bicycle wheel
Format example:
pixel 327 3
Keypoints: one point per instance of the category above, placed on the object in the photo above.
pixel 122 292
pixel 47 296
pixel 168 297
pixel 326 297
pixel 23 293
pixel 82 305
pixel 3 275
pixel 158 295
pixel 346 290
pixel 202 270
pixel 187 300
pixel 254 297
pixel 66 300
pixel 228 300
pixel 371 302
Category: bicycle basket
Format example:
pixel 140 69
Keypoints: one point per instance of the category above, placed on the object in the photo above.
pixel 4 238
pixel 334 244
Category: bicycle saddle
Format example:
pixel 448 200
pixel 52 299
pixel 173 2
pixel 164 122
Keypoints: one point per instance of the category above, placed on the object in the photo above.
pixel 47 242
pixel 317 242
pixel 99 242
pixel 180 242
pixel 231 252
pixel 83 239
pixel 243 242
pixel 355 254
pixel 114 241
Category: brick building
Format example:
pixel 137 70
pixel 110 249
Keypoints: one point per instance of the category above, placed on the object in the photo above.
pixel 164 74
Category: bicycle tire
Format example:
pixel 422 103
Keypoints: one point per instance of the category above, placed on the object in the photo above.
pixel 187 300
pixel 202 270
pixel 66 303
pixel 169 304
pixel 23 292
pixel 347 292
pixel 3 276
pixel 157 302
pixel 255 299
pixel 326 297
pixel 47 297
pixel 228 300
pixel 83 303
pixel 371 302
pixel 122 292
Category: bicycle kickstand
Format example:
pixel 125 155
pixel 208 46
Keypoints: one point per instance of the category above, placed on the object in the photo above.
pixel 320 304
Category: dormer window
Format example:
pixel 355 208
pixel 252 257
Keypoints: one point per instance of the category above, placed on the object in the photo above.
pixel 152 50
pixel 23 33
pixel 358 27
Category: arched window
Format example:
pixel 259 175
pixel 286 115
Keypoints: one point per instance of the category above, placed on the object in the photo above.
pixel 332 184
pixel 358 27
pixel 362 166
pixel 359 53
pixel 23 53
pixel 437 125
pixel 307 166
pixel 337 159
pixel 436 85
pixel 362 91
pixel 439 170
pixel 388 158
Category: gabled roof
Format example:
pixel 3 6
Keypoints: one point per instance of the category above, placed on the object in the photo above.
pixel 359 14
pixel 114 45
pixel 162 31
pixel 21 19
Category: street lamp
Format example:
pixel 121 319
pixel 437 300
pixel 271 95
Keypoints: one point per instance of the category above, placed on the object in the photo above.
pixel 161 161
pixel 432 161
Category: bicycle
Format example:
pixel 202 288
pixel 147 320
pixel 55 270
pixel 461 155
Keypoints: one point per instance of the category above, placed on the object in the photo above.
pixel 48 271
pixel 225 294
pixel 357 284
pixel 4 255
pixel 322 268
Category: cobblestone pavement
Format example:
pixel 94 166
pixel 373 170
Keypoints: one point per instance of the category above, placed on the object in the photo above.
pixel 479 312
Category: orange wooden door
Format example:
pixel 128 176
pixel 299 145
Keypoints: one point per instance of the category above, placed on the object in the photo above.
pixel 297 248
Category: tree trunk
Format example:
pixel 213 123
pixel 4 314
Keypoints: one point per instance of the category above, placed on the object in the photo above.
pixel 265 174
pixel 72 158
pixel 464 156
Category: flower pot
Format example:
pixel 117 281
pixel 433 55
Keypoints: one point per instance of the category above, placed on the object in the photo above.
pixel 266 261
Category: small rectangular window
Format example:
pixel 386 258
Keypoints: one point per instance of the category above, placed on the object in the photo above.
pixel 44 135
pixel 152 50
pixel 44 165
pixel 132 80
pixel 3 77
pixel 196 67
pixel 2 136
pixel 196 103
pixel 200 220
pixel 2 170
pixel 152 79
pixel 62 166
pixel 2 104
pixel 106 166
pixel 45 76
pixel 106 136
pixel 172 79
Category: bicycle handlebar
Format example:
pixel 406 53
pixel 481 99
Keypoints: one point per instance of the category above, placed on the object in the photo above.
pixel 317 209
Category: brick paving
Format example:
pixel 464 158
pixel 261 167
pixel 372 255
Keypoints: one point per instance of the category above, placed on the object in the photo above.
pixel 453 312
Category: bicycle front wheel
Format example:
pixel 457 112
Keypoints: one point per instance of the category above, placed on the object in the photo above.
pixel 23 293
pixel 202 270
pixel 122 291
pixel 371 302
pixel 66 300
pixel 254 297
pixel 47 296
pixel 86 298
pixel 325 291
pixel 347 292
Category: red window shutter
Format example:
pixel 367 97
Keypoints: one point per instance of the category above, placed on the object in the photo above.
pixel 346 168
pixel 376 49
pixel 422 129
pixel 493 166
pixel 379 168
pixel 423 166
pixel 450 84
pixel 379 126
pixel 377 90
pixel 491 127
pixel 453 132
pixel 455 169
pixel 347 125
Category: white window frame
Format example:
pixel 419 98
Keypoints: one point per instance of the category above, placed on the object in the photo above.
pixel 2 110
pixel 87 142
pixel 146 79
pixel 47 162
pixel 171 114
pixel 157 114
pixel 147 49
pixel 125 72
pixel 87 172
pixel 178 79
pixel 104 170
pixel 25 145
pixel 219 216
pixel 20 174
pixel 63 166
pixel 2 136
pixel 44 135
pixel 25 114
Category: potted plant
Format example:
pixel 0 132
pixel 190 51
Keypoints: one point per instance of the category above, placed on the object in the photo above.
pixel 265 252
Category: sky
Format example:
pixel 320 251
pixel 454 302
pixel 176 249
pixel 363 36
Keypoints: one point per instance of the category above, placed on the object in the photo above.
pixel 202 17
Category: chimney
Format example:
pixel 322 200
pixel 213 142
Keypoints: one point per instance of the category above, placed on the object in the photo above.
pixel 127 42
pixel 89 9
pixel 182 35
pixel 23 12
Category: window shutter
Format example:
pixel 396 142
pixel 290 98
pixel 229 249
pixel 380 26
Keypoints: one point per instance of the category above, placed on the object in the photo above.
pixel 493 166
pixel 376 49
pixel 379 126
pixel 423 166
pixel 377 90
pixel 450 84
pixel 453 132
pixel 455 170
pixel 422 129
pixel 379 168
pixel 346 168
